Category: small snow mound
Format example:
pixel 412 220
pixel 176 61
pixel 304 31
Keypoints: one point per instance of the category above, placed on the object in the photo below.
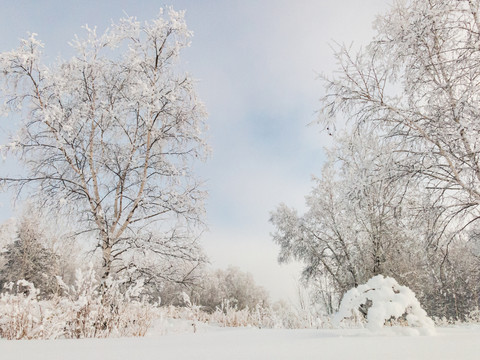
pixel 384 299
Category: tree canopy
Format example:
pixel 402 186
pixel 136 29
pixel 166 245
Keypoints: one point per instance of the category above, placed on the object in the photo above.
pixel 110 136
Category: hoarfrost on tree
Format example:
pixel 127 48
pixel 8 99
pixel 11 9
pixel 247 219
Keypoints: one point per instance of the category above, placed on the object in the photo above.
pixel 417 81
pixel 110 136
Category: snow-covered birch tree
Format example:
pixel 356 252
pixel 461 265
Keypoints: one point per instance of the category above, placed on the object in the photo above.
pixel 111 135
pixel 419 80
pixel 353 228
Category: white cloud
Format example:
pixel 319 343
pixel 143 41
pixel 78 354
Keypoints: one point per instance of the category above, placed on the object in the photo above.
pixel 255 254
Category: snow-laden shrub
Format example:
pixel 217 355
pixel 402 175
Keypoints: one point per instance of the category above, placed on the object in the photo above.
pixel 20 313
pixel 384 301
pixel 117 311
pixel 80 312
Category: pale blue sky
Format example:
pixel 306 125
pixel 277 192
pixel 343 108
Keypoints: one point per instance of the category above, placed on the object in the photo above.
pixel 256 62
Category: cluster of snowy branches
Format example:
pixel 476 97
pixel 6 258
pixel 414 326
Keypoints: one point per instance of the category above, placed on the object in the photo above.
pixel 384 301
pixel 399 194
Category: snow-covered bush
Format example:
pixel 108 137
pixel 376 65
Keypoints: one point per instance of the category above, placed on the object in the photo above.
pixel 20 314
pixel 80 312
pixel 118 311
pixel 383 300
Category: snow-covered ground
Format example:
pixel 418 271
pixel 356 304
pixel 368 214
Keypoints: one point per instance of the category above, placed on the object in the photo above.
pixel 237 343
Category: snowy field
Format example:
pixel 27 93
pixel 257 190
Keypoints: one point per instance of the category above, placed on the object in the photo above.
pixel 243 343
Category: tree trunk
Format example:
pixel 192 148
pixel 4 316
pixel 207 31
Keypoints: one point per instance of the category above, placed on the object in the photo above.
pixel 106 263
